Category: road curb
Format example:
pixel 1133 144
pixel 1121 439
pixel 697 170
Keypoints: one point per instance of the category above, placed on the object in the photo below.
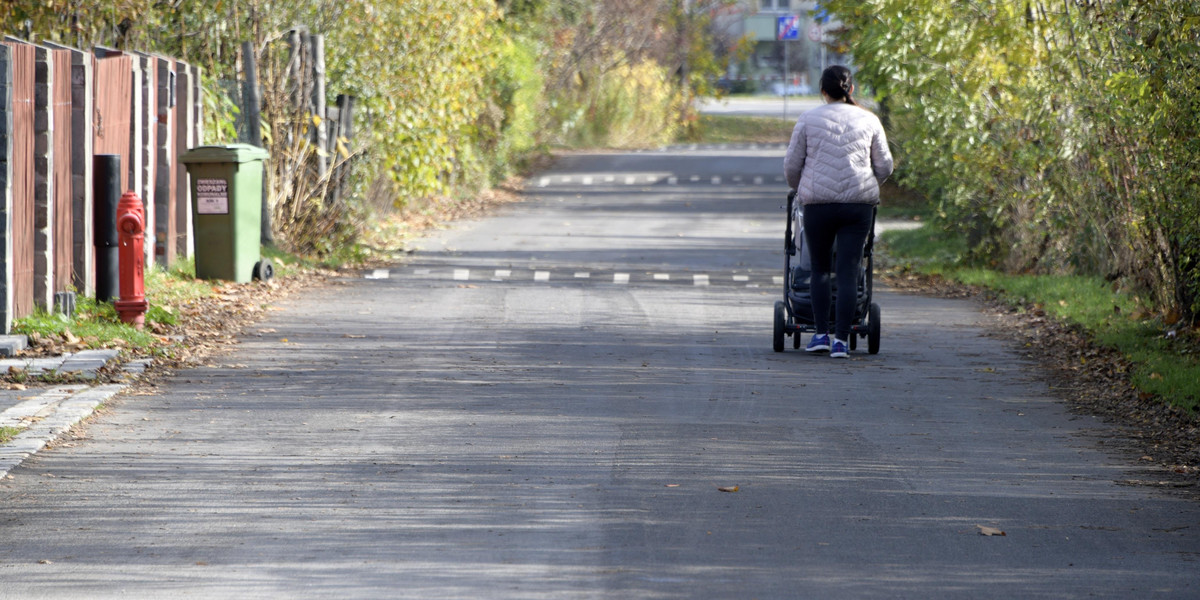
pixel 50 414
pixel 86 362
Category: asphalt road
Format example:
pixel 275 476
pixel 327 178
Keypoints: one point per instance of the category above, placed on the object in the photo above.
pixel 546 403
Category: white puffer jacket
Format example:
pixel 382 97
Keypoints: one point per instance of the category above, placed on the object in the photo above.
pixel 838 153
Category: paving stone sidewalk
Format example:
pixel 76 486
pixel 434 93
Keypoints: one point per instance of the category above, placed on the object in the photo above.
pixel 42 414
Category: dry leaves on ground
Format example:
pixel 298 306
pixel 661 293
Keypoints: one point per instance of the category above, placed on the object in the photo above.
pixel 1095 380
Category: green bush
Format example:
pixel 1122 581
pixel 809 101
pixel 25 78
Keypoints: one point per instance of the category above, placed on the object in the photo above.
pixel 629 106
pixel 1164 363
pixel 1059 138
pixel 449 96
pixel 510 129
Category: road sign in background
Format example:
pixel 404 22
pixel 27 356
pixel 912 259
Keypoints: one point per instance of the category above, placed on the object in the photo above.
pixel 789 27
pixel 819 14
pixel 814 32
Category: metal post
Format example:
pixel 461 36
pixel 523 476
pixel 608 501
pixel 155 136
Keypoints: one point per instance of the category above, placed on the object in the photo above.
pixel 107 191
pixel 253 99
pixel 822 43
pixel 785 79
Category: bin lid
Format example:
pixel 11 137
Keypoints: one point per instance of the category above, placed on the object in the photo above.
pixel 229 153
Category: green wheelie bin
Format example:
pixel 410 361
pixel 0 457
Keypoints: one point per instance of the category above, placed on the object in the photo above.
pixel 227 187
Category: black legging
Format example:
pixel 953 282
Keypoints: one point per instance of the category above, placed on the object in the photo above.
pixel 849 224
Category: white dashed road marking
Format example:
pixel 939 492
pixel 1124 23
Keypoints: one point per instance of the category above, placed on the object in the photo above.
pixel 749 280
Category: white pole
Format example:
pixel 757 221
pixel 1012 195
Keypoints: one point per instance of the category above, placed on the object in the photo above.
pixel 822 42
pixel 785 81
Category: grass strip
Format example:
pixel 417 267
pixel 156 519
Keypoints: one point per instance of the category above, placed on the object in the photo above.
pixel 1165 360
pixel 8 433
pixel 734 129
pixel 97 325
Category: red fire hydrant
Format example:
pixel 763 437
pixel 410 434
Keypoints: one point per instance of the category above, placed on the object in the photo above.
pixel 131 236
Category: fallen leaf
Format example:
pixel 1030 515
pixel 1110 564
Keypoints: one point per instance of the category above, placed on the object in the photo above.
pixel 990 531
pixel 672 485
pixel 729 489
pixel 354 336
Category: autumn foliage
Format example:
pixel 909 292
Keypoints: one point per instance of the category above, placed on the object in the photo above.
pixel 1061 136
pixel 450 97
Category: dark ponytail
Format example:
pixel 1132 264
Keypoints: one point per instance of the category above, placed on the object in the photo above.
pixel 837 82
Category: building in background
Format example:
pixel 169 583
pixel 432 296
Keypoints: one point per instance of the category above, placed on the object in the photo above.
pixel 763 70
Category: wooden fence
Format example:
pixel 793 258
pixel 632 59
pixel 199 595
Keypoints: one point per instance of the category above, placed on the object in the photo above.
pixel 59 107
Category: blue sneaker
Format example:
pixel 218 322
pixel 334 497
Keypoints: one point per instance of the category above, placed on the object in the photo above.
pixel 839 349
pixel 818 343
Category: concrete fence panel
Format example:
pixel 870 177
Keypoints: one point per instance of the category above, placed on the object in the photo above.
pixel 81 136
pixel 165 205
pixel 6 187
pixel 113 124
pixel 21 230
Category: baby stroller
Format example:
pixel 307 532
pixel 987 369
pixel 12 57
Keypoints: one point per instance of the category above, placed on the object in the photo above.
pixel 794 315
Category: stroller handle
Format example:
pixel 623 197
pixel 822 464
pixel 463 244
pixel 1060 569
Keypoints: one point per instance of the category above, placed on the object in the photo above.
pixel 789 243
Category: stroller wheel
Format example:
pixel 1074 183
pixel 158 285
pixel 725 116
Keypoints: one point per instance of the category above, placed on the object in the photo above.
pixel 873 330
pixel 780 319
pixel 796 341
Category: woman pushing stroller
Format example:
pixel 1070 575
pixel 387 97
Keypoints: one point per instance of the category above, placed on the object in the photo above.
pixel 836 161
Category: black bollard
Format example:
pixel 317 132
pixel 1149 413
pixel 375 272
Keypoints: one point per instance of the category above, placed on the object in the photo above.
pixel 107 188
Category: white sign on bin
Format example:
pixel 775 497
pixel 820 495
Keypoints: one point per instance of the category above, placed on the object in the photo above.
pixel 212 197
